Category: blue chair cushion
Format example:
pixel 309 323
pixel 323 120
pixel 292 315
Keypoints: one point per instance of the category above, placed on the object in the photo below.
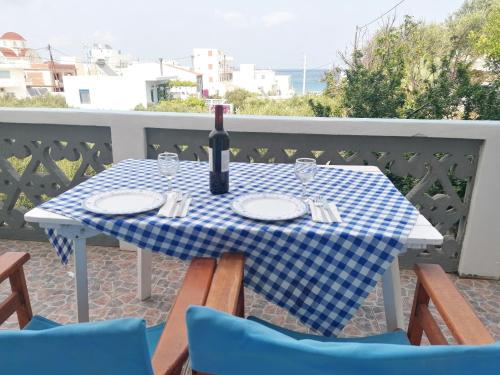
pixel 224 345
pixel 398 337
pixel 45 347
pixel 153 333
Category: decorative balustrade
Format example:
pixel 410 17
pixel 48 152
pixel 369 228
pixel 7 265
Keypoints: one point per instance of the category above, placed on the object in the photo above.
pixel 439 165
pixel 38 162
pixel 435 174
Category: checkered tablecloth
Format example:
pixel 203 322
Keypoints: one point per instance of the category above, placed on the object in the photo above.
pixel 320 272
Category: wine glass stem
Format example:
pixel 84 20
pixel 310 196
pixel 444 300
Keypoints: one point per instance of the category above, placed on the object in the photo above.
pixel 304 191
pixel 168 183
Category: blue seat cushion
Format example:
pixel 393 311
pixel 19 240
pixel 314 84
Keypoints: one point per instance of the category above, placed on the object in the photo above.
pixel 153 333
pixel 45 347
pixel 398 337
pixel 225 345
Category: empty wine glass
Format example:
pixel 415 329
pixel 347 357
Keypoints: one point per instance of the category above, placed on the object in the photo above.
pixel 305 170
pixel 168 165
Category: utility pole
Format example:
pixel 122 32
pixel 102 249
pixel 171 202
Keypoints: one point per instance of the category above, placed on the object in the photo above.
pixel 304 77
pixel 161 66
pixel 356 38
pixel 55 81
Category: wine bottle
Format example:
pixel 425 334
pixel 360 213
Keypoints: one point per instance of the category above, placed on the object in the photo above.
pixel 218 155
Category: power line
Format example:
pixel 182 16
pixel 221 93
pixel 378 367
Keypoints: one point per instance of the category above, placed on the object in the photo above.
pixel 382 15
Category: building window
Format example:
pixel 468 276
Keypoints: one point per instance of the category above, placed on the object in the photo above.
pixel 210 66
pixel 85 96
pixel 5 74
pixel 209 52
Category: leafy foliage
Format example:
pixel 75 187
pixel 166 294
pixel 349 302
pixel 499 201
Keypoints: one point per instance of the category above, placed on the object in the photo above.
pixel 238 97
pixel 46 101
pixel 487 40
pixel 320 110
pixel 426 71
pixel 179 83
pixel 190 104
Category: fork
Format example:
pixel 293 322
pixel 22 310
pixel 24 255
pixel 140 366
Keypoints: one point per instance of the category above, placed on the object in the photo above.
pixel 178 200
pixel 318 202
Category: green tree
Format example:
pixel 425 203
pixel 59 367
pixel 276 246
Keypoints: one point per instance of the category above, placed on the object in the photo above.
pixel 320 110
pixel 43 101
pixel 191 104
pixel 487 40
pixel 417 70
pixel 237 97
pixel 376 91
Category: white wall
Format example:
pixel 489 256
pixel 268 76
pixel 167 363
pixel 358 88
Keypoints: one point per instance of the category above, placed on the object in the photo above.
pixel 16 84
pixel 262 81
pixel 211 77
pixel 181 73
pixel 106 92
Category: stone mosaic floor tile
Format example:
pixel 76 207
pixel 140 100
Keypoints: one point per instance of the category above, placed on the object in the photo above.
pixel 113 284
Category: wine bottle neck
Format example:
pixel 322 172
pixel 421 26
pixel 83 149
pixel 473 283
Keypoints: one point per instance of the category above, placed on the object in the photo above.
pixel 219 113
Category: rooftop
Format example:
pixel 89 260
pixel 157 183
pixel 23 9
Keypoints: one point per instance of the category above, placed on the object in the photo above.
pixel 11 35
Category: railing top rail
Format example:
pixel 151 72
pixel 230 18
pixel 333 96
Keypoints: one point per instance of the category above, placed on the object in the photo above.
pixel 471 129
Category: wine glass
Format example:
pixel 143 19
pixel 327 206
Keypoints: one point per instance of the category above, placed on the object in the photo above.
pixel 168 165
pixel 305 170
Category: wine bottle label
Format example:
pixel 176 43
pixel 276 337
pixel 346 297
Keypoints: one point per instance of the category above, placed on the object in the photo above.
pixel 225 161
pixel 224 167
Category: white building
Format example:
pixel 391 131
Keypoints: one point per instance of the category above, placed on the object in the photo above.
pixel 262 81
pixel 138 83
pixel 12 79
pixel 23 73
pixel 216 68
pixel 111 92
pixel 103 55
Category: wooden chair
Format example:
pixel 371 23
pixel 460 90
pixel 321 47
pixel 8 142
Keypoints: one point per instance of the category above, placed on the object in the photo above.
pixel 432 285
pixel 203 275
pixel 465 326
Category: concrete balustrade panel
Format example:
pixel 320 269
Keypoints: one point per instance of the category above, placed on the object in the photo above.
pixel 40 161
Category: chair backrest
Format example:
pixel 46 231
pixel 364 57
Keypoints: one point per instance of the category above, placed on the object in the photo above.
pixel 109 347
pixel 223 344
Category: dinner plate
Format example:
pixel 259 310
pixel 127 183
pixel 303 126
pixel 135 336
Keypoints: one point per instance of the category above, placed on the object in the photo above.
pixel 123 202
pixel 269 206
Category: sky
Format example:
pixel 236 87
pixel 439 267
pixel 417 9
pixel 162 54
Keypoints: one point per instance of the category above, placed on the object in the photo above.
pixel 269 33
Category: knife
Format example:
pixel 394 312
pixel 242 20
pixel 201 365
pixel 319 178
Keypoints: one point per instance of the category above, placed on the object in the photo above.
pixel 177 200
pixel 328 209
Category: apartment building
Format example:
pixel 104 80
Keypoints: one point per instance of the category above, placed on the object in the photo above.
pixel 216 68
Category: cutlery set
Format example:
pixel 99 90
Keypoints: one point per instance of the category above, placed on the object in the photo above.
pixel 323 211
pixel 176 205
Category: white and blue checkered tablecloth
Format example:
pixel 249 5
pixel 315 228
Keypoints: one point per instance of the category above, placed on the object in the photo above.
pixel 320 272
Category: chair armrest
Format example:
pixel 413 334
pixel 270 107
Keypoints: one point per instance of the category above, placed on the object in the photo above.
pixel 226 292
pixel 11 267
pixel 172 349
pixel 10 262
pixel 457 313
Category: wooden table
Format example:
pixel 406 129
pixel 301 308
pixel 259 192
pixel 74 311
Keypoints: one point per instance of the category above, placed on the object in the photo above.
pixel 422 235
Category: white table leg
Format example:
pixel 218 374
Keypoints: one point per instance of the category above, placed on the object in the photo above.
pixel 144 267
pixel 81 281
pixel 391 288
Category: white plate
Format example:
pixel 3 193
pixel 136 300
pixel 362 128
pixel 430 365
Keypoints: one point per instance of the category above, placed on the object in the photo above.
pixel 123 202
pixel 269 206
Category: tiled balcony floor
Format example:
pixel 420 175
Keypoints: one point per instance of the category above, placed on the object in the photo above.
pixel 113 281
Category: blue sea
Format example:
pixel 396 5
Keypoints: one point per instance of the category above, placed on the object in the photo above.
pixel 313 79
